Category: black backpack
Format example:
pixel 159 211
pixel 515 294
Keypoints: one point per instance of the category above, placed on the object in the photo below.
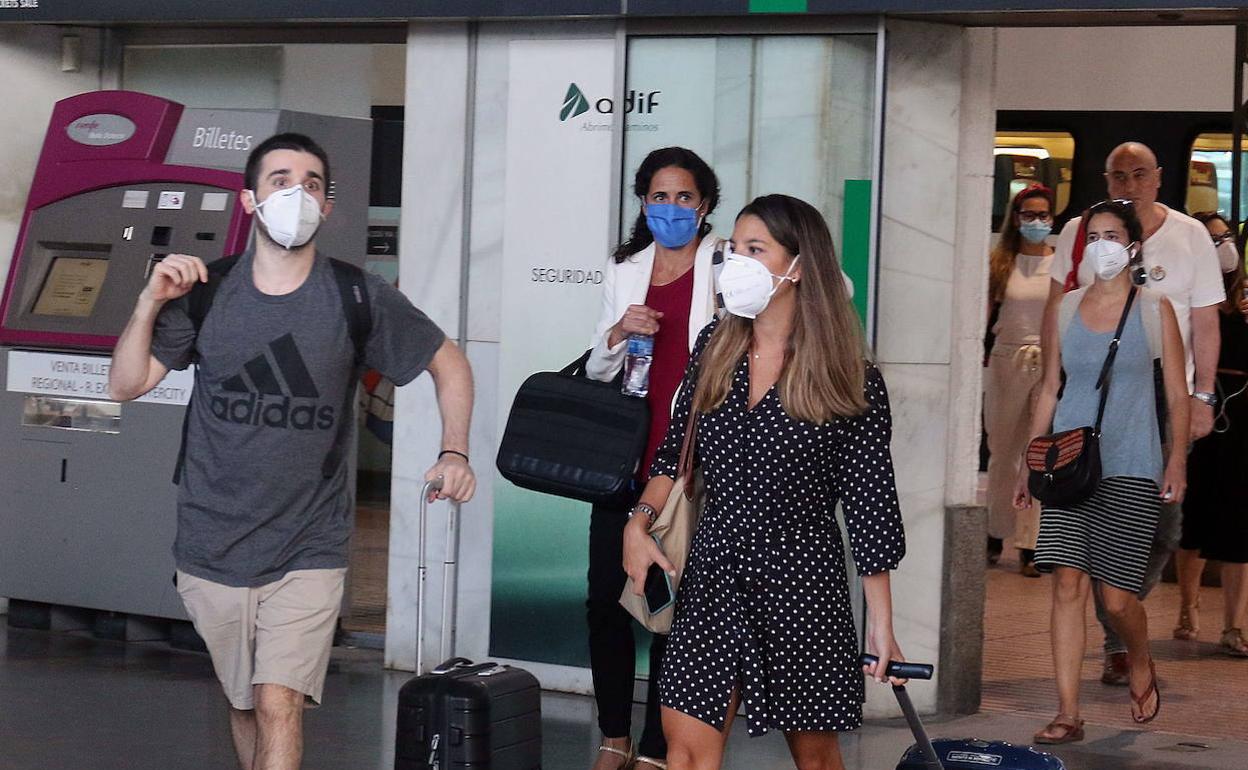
pixel 355 306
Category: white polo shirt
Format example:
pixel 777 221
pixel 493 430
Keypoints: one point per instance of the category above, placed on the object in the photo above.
pixel 1181 262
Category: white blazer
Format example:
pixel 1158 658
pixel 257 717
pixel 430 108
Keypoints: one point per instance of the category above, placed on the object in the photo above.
pixel 626 283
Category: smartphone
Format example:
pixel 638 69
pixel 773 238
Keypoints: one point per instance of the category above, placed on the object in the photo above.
pixel 658 589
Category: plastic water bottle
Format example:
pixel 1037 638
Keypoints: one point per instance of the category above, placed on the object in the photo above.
pixel 637 365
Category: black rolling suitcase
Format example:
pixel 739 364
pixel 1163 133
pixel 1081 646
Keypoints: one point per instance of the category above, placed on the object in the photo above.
pixel 957 753
pixel 464 715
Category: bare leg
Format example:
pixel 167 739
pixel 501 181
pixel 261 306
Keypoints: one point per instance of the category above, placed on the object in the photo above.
pixel 693 744
pixel 243 731
pixel 815 750
pixel 1235 595
pixel 279 728
pixel 1189 566
pixel 1127 615
pixel 1069 630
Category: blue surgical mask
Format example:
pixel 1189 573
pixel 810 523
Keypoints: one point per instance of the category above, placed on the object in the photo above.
pixel 1035 232
pixel 671 225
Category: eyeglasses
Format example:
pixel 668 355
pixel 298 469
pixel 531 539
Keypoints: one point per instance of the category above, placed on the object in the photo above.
pixel 1218 240
pixel 1034 216
pixel 1096 208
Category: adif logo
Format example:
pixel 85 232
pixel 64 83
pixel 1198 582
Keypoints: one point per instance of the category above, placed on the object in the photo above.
pixel 575 103
pixel 289 379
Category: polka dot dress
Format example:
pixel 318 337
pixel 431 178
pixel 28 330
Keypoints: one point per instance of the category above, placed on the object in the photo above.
pixel 764 603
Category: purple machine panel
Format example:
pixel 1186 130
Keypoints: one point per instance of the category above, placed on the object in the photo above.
pixel 103 191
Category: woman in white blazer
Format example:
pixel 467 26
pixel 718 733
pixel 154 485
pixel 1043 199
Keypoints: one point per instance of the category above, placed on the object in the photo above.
pixel 658 282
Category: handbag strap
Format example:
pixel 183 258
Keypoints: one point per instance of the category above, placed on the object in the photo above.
pixel 1102 382
pixel 685 465
pixel 577 367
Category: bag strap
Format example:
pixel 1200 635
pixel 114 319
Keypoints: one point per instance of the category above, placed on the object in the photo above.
pixel 685 465
pixel 1076 253
pixel 1102 382
pixel 198 303
pixel 358 311
pixel 577 367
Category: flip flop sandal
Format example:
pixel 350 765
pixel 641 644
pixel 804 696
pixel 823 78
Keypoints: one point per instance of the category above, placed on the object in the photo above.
pixel 1140 700
pixel 1189 623
pixel 1234 644
pixel 1063 729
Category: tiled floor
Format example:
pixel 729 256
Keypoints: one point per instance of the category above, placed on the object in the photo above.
pixel 1203 692
pixel 68 701
pixel 370 554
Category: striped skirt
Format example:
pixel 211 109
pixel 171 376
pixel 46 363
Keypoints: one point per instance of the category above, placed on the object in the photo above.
pixel 1108 536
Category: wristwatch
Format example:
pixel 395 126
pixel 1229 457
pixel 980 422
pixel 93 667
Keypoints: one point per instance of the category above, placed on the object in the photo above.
pixel 1206 397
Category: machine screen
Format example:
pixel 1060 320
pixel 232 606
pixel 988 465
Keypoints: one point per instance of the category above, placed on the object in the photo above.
pixel 72 287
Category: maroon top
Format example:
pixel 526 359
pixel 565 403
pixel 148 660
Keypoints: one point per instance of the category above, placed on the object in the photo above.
pixel 671 356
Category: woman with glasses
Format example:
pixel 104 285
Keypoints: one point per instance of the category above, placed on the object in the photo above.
pixel 1102 543
pixel 1214 525
pixel 1018 286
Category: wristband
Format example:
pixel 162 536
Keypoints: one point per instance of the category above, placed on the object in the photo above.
pixel 445 452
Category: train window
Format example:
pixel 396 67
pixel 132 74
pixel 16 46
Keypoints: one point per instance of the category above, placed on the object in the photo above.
pixel 1209 174
pixel 1024 158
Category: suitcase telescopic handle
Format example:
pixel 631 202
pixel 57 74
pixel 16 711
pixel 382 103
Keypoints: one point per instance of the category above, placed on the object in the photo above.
pixel 450 572
pixel 902 670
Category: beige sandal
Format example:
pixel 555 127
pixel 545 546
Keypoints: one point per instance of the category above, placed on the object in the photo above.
pixel 628 756
pixel 660 764
pixel 1234 644
pixel 1189 623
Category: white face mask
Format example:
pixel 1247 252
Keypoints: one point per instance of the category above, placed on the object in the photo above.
pixel 291 216
pixel 1109 258
pixel 1228 256
pixel 746 284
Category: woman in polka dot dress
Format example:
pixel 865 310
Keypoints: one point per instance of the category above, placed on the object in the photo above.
pixel 791 420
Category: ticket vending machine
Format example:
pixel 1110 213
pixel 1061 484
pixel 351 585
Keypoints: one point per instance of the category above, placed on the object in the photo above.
pixel 123 179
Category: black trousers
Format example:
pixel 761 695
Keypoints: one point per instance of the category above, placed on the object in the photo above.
pixel 612 648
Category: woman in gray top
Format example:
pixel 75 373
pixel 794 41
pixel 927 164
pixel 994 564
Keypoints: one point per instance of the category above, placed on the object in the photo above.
pixel 1103 542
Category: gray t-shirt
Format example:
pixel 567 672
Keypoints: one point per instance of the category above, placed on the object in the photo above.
pixel 270 390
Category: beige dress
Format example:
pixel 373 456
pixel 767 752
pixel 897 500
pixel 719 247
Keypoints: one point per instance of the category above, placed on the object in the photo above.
pixel 1013 370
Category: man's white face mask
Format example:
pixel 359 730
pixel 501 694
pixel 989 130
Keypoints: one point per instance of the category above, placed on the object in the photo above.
pixel 291 216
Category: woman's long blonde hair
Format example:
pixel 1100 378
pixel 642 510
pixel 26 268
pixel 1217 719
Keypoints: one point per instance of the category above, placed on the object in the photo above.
pixel 1001 261
pixel 824 363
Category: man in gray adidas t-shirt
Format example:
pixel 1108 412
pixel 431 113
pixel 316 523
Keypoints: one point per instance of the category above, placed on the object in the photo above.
pixel 264 515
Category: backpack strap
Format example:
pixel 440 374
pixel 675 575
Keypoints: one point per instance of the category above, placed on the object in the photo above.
pixel 358 311
pixel 198 303
pixel 1076 254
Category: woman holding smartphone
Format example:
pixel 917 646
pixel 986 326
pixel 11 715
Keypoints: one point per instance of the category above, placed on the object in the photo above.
pixel 790 419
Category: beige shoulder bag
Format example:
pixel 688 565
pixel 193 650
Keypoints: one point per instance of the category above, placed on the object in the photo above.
pixel 674 528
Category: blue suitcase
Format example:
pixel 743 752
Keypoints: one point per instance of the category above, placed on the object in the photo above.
pixel 957 753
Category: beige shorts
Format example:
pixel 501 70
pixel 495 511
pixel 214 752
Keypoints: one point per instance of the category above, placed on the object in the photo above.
pixel 280 633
